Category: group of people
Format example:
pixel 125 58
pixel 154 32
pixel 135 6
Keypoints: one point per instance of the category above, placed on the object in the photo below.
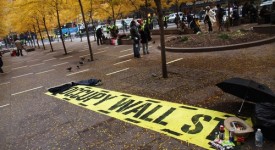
pixel 140 34
pixel 210 18
pixel 18 52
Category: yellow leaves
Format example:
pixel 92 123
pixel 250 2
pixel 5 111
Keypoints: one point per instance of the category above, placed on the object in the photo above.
pixel 119 8
pixel 3 16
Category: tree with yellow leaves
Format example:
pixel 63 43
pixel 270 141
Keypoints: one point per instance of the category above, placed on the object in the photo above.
pixel 3 20
pixel 26 14
pixel 114 9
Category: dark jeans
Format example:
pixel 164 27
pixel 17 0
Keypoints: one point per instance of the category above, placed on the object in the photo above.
pixel 136 48
pixel 210 29
pixel 99 39
pixel 19 52
pixel 165 24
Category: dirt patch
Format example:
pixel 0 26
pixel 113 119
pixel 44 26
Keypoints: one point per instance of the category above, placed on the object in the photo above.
pixel 216 39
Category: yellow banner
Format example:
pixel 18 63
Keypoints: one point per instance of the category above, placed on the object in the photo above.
pixel 192 124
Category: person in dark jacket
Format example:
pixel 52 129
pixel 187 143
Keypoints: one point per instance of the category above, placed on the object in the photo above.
pixel 99 36
pixel 194 25
pixel 135 37
pixel 189 19
pixel 144 40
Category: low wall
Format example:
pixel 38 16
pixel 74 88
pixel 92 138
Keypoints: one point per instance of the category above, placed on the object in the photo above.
pixel 220 48
pixel 166 31
pixel 126 42
pixel 266 29
pixel 107 41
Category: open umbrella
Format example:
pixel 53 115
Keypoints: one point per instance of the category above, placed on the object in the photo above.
pixel 247 90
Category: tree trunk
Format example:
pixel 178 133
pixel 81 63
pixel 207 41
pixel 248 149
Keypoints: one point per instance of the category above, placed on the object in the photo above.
pixel 44 21
pixel 36 35
pixel 178 19
pixel 39 30
pixel 31 39
pixel 87 32
pixel 113 13
pixel 162 43
pixel 59 27
pixel 146 12
pixel 70 35
pixel 91 19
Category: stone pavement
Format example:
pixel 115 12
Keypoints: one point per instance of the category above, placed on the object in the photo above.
pixel 32 120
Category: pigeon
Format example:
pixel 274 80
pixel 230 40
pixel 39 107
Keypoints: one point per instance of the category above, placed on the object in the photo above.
pixel 69 69
pixel 78 67
pixel 82 58
pixel 81 63
pixel 154 42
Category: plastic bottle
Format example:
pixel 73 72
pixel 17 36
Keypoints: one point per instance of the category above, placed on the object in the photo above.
pixel 221 132
pixel 259 138
pixel 231 135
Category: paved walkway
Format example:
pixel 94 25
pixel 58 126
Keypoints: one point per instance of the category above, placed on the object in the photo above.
pixel 32 120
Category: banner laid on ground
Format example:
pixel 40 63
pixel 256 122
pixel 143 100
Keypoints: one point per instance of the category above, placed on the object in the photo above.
pixel 191 124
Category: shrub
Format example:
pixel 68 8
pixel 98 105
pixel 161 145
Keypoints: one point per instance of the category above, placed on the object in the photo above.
pixel 224 36
pixel 183 38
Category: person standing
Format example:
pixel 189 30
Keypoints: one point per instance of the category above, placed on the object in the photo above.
pixel 1 63
pixel 235 15
pixel 209 18
pixel 189 19
pixel 177 20
pixel 99 36
pixel 219 17
pixel 165 21
pixel 19 47
pixel 144 39
pixel 135 37
pixel 124 25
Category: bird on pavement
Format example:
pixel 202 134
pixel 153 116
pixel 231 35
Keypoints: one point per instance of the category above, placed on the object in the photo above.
pixel 154 42
pixel 69 69
pixel 82 58
pixel 78 67
pixel 81 63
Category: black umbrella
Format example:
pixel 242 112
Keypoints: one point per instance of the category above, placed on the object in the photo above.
pixel 247 90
